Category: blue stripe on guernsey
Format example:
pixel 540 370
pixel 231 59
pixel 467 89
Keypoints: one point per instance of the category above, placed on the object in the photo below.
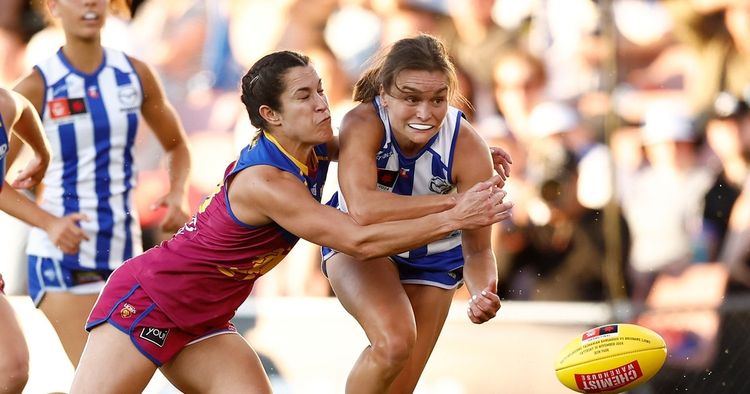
pixel 4 146
pixel 123 79
pixel 91 120
pixel 102 178
pixel 405 183
pixel 459 116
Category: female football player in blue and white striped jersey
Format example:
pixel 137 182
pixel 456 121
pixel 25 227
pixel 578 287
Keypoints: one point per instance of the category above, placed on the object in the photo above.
pixel 91 100
pixel 404 153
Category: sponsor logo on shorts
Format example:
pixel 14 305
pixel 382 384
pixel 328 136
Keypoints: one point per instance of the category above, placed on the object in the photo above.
pixel 127 311
pixel 157 336
pixel 83 277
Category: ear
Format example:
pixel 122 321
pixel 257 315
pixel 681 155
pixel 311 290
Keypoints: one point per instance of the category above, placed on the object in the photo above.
pixel 269 115
pixel 52 7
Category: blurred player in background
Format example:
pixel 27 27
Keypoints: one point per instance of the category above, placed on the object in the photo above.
pixel 91 99
pixel 18 116
pixel 169 307
pixel 404 153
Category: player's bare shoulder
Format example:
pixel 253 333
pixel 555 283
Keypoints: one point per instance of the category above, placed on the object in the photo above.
pixel 257 193
pixel 7 106
pixel 361 119
pixel 32 87
pixel 469 138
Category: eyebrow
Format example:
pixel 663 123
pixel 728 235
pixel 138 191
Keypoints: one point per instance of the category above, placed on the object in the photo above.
pixel 306 89
pixel 409 89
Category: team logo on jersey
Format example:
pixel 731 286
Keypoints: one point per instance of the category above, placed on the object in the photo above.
pixel 439 185
pixel 157 336
pixel 387 179
pixel 93 92
pixel 64 107
pixel 127 311
pixel 3 150
pixel 128 97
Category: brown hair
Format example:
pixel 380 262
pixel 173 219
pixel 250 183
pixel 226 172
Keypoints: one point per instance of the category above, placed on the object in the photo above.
pixel 423 52
pixel 264 83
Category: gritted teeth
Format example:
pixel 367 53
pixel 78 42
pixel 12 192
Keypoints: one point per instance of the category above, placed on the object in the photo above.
pixel 420 126
pixel 91 15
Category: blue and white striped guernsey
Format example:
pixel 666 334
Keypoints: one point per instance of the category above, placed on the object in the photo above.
pixel 91 122
pixel 427 172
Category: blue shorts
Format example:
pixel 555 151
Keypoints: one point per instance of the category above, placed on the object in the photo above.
pixel 411 274
pixel 46 274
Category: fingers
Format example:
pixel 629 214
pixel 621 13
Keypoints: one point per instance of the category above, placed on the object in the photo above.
pixel 174 219
pixel 483 306
pixel 501 161
pixel 23 183
pixel 161 202
pixel 488 184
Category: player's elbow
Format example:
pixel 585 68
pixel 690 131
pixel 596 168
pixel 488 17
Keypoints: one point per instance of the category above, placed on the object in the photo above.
pixel 361 248
pixel 362 216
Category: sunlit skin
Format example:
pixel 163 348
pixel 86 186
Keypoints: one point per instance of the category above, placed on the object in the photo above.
pixel 416 106
pixel 304 107
pixel 81 19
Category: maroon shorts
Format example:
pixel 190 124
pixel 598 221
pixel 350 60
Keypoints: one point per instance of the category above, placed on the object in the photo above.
pixel 126 306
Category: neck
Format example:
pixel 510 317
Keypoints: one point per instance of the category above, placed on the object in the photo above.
pixel 84 55
pixel 301 151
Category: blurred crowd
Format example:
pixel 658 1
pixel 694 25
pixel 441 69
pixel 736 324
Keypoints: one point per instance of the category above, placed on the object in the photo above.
pixel 627 120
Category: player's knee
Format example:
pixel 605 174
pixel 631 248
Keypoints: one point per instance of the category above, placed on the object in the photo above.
pixel 14 376
pixel 394 350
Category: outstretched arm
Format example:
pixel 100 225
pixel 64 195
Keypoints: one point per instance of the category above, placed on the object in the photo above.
pixel 163 120
pixel 261 195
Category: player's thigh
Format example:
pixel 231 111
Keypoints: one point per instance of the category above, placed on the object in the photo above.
pixel 64 309
pixel 111 364
pixel 220 364
pixel 431 306
pixel 371 292
pixel 67 313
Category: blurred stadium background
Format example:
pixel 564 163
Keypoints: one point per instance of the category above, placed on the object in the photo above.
pixel 628 124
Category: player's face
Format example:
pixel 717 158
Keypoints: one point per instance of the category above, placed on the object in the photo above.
pixel 416 106
pixel 81 19
pixel 305 113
